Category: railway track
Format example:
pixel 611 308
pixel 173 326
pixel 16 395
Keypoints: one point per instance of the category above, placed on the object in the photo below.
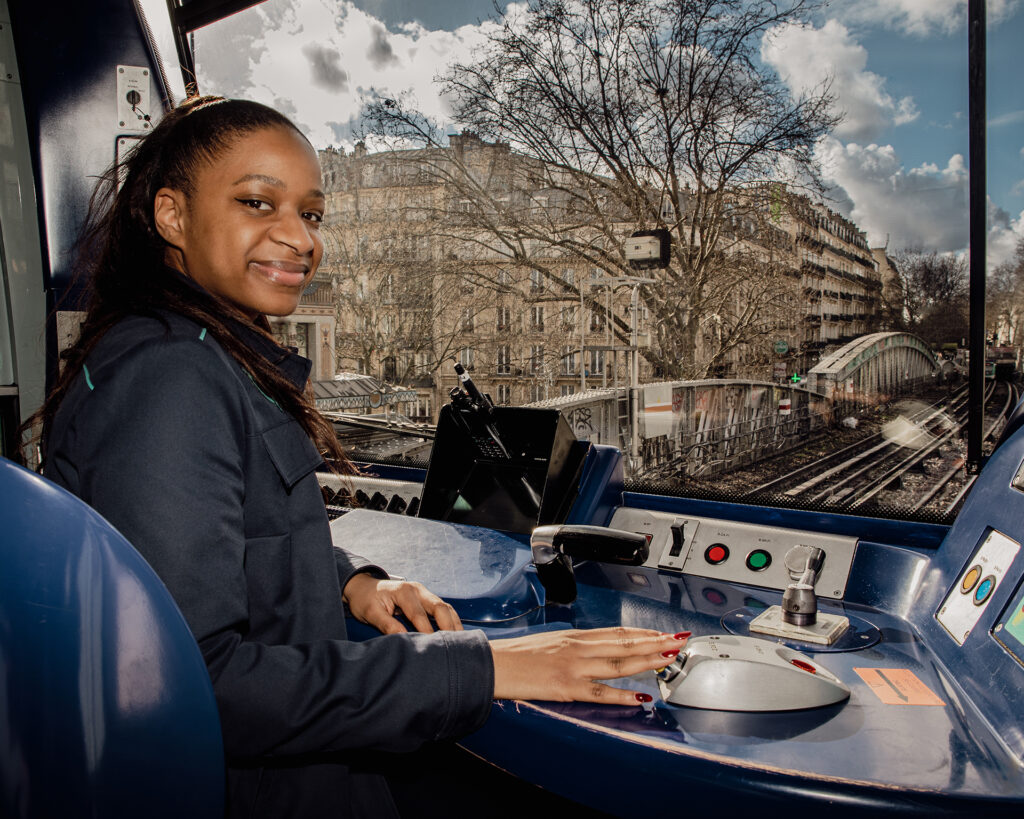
pixel 914 462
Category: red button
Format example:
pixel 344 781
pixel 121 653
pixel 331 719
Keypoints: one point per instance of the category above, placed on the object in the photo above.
pixel 804 666
pixel 716 553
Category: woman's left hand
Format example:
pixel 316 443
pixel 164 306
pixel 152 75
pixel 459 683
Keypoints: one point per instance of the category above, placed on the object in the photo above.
pixel 374 601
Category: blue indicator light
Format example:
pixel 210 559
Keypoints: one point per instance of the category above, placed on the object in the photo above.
pixel 985 587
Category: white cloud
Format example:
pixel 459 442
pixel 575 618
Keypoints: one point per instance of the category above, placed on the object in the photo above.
pixel 805 57
pixel 313 59
pixel 922 207
pixel 1004 233
pixel 920 17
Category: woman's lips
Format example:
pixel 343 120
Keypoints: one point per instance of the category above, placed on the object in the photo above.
pixel 286 274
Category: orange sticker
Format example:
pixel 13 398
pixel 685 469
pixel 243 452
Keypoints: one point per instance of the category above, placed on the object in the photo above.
pixel 898 686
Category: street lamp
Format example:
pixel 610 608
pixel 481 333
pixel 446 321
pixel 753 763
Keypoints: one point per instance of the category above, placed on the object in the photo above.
pixel 614 283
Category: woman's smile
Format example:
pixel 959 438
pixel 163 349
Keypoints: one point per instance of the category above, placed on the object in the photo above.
pixel 287 274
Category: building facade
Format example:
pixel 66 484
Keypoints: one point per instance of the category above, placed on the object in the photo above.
pixel 420 278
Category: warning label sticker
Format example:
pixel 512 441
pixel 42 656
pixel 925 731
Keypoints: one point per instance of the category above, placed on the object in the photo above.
pixel 898 686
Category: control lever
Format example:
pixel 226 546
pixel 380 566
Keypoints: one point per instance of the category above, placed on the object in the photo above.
pixel 554 548
pixel 474 412
pixel 799 603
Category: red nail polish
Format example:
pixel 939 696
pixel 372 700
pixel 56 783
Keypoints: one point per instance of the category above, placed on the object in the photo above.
pixel 640 697
pixel 671 653
pixel 682 635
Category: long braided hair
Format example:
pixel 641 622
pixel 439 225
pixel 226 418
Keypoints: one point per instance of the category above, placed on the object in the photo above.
pixel 120 256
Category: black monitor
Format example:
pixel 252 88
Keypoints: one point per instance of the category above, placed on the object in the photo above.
pixel 526 476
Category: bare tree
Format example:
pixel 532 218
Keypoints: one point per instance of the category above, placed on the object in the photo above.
pixel 1004 300
pixel 390 300
pixel 934 290
pixel 625 116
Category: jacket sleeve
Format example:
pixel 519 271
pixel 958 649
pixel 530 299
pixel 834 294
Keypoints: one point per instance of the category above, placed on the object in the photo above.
pixel 158 445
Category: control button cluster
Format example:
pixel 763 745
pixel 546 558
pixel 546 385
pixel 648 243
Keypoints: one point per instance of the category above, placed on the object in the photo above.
pixel 757 560
pixel 982 590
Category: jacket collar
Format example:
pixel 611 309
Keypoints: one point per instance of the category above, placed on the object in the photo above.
pixel 289 363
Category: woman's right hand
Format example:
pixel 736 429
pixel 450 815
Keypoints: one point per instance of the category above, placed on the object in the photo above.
pixel 566 665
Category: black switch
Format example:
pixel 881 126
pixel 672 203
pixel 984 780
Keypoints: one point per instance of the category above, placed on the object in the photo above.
pixel 678 539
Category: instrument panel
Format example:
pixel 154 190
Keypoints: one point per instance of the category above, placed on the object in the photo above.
pixel 737 552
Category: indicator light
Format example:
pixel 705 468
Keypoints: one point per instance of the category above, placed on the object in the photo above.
pixel 805 666
pixel 984 590
pixel 759 560
pixel 970 579
pixel 716 553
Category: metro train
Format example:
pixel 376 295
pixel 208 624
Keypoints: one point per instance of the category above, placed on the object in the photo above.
pixel 850 664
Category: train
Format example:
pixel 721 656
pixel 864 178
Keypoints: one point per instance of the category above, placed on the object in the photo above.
pixel 846 663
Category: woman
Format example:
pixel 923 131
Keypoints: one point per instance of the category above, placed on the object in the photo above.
pixel 180 420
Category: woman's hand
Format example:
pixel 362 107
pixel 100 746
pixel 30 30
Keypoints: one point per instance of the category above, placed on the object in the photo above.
pixel 374 601
pixel 565 665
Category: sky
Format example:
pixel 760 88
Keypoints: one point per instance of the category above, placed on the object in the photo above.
pixel 897 164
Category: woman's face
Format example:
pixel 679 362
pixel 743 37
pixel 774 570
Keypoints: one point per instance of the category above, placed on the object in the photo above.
pixel 250 230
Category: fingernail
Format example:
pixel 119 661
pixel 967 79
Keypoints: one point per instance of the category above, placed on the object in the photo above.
pixel 671 653
pixel 640 697
pixel 682 635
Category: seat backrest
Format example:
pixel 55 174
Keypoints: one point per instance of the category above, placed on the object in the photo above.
pixel 106 707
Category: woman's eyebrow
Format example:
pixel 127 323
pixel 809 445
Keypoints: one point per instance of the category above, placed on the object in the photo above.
pixel 275 182
pixel 260 177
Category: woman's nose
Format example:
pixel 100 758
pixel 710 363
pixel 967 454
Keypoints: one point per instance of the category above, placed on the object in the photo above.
pixel 293 230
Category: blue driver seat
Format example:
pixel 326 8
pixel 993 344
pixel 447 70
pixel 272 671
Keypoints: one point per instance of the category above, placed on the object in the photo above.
pixel 106 707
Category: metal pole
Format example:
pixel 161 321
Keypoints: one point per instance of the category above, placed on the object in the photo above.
pixel 583 372
pixel 978 208
pixel 634 385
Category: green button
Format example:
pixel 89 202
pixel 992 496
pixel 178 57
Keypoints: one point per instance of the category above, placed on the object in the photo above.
pixel 758 560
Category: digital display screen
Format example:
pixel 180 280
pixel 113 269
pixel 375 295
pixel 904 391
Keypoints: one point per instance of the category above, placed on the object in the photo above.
pixel 1009 631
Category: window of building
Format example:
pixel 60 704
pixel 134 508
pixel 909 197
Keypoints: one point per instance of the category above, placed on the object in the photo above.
pixel 595 362
pixel 504 360
pixel 537 317
pixel 568 360
pixel 466 357
pixel 467 319
pixel 538 392
pixel 504 318
pixel 504 395
pixel 537 358
pixel 536 281
pixel 567 389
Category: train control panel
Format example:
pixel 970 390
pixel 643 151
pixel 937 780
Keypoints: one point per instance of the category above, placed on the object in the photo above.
pixel 896 691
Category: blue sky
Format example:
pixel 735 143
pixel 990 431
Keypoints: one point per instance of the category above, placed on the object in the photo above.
pixel 897 165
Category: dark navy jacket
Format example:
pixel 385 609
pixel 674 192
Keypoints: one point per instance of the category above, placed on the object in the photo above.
pixel 168 438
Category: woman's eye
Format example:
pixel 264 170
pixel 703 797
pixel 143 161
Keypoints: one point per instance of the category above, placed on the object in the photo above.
pixel 255 204
pixel 314 217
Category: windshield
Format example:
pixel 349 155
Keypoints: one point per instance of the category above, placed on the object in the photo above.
pixel 728 238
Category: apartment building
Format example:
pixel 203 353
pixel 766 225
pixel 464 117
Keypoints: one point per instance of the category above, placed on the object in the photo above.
pixel 437 255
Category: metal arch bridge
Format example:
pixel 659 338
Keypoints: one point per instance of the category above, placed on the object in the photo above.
pixel 874 367
pixel 711 426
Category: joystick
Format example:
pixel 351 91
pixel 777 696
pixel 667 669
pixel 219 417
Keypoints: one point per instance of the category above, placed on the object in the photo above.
pixel 799 603
pixel 798 618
